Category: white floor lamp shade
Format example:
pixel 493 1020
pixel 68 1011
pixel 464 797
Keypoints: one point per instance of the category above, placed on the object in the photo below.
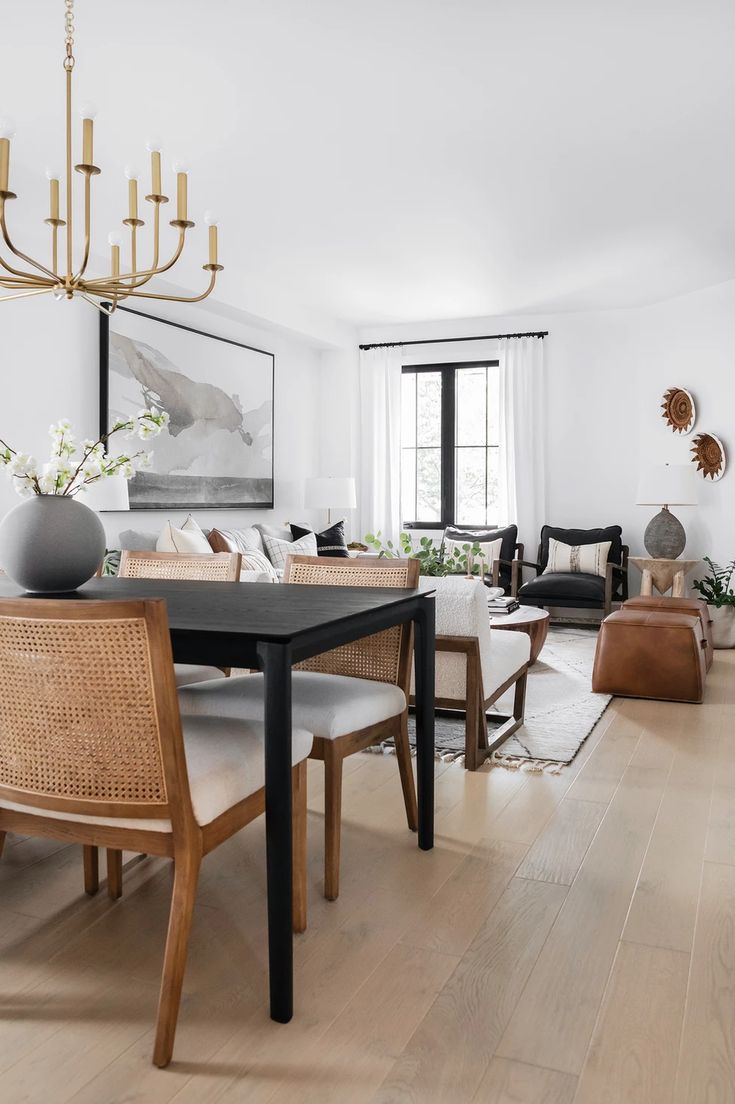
pixel 330 493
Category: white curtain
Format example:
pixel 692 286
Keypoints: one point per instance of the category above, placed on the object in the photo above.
pixel 380 443
pixel 523 437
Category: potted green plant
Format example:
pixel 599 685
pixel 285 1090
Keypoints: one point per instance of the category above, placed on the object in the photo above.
pixel 717 591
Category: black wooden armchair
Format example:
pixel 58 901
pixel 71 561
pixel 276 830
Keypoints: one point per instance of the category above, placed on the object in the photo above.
pixel 574 589
pixel 510 550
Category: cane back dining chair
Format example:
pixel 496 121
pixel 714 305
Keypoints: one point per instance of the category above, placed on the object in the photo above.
pixel 354 696
pixel 93 750
pixel 212 567
pixel 220 567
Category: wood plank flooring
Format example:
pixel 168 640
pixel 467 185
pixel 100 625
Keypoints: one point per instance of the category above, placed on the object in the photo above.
pixel 570 940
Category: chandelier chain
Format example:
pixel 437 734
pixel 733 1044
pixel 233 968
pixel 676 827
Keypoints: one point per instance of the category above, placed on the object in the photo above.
pixel 69 35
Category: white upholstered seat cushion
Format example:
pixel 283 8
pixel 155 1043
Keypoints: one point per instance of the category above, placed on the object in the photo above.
pixel 461 610
pixel 225 760
pixel 327 705
pixel 186 673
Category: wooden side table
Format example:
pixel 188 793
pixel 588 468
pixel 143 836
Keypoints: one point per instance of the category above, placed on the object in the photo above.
pixel 663 575
pixel 528 619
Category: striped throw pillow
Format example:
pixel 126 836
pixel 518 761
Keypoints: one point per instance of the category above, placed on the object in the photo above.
pixel 586 559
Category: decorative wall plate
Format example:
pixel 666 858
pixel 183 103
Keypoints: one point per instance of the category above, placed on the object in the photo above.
pixel 709 456
pixel 679 410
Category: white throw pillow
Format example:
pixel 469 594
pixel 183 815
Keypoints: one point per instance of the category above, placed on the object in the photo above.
pixel 279 550
pixel 489 550
pixel 189 538
pixel 587 559
pixel 254 561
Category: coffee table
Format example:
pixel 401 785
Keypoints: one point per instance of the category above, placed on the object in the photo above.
pixel 527 619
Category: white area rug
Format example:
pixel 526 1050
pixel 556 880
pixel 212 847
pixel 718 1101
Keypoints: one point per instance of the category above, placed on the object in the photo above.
pixel 561 709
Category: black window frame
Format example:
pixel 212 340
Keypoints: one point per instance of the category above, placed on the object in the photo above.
pixel 447 443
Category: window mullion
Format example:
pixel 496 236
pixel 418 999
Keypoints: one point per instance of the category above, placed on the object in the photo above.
pixel 447 441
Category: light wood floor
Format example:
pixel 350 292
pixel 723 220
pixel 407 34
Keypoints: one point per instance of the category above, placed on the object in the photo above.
pixel 570 939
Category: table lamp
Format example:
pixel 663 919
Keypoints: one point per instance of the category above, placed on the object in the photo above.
pixel 330 493
pixel 666 485
pixel 107 495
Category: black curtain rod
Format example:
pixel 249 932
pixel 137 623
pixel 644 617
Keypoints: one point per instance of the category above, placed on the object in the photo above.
pixel 449 340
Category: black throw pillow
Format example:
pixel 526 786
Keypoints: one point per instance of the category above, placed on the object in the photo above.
pixel 329 543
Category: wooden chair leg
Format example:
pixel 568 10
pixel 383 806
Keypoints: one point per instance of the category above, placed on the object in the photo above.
pixel 332 819
pixel 299 847
pixel 91 869
pixel 186 877
pixel 405 767
pixel 114 874
pixel 472 719
pixel 2 841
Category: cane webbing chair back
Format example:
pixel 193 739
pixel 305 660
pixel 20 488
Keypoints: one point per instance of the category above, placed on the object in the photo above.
pixel 213 567
pixel 383 657
pixel 89 720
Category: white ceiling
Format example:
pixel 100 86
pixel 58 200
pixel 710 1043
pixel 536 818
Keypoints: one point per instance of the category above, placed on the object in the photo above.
pixel 393 160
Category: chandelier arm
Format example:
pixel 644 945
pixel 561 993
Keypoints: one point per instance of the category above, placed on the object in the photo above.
pixel 136 276
pixel 100 306
pixel 25 294
pixel 176 298
pixel 30 281
pixel 29 260
pixel 23 279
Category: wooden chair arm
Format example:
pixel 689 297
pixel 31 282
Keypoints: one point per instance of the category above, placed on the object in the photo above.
pixel 516 573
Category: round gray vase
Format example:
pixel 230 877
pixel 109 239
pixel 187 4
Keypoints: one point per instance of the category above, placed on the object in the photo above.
pixel 51 544
pixel 664 538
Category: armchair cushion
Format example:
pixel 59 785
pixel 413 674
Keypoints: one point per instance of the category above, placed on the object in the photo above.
pixel 560 588
pixel 461 610
pixel 612 533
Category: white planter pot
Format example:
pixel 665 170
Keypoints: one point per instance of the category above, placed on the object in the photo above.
pixel 723 626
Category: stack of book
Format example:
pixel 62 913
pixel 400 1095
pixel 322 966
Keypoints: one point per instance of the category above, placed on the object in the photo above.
pixel 501 604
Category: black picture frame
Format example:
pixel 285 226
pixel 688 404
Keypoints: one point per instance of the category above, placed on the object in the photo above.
pixel 266 502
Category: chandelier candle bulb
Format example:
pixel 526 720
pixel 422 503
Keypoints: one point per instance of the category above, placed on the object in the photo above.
pixel 213 244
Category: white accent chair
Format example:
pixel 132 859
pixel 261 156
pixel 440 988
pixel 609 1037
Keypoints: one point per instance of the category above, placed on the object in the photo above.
pixel 475 665
pixel 353 696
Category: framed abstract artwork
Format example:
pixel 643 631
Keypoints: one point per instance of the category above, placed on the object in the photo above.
pixel 217 450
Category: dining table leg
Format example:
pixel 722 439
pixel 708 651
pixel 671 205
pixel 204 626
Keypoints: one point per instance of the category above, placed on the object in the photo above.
pixel 424 660
pixel 275 661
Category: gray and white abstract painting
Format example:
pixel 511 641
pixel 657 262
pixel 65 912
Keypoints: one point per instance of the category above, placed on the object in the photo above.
pixel 217 450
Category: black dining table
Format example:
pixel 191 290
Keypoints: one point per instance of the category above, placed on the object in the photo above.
pixel 269 627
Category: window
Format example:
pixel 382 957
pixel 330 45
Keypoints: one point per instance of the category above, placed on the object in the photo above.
pixel 450 445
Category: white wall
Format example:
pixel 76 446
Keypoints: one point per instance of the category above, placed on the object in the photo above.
pixel 49 370
pixel 606 373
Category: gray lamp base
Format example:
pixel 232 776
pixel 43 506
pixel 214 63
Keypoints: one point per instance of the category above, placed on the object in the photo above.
pixel 664 538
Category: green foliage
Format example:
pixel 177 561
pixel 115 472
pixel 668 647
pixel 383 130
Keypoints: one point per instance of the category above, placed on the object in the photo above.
pixel 716 587
pixel 111 562
pixel 432 560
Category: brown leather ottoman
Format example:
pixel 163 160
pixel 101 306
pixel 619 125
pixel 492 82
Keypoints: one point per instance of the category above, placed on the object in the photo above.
pixel 693 606
pixel 650 655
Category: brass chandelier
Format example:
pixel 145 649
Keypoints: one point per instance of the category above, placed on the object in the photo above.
pixel 104 292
